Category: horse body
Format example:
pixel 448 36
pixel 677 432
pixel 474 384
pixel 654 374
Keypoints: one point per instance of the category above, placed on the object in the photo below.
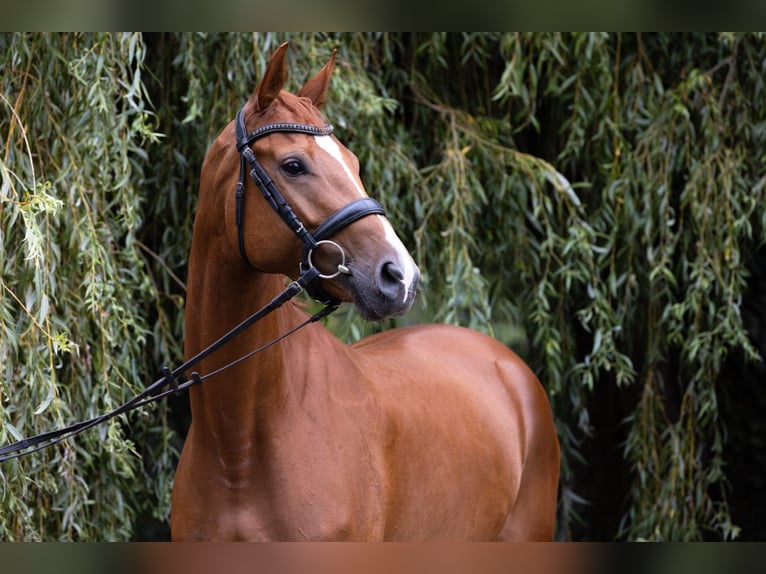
pixel 420 433
pixel 315 439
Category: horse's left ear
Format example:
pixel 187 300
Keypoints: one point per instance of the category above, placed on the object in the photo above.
pixel 316 88
pixel 273 79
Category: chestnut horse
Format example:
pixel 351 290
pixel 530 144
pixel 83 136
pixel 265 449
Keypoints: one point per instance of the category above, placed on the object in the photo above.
pixel 429 432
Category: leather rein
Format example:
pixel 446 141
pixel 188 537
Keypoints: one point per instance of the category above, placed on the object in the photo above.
pixel 169 383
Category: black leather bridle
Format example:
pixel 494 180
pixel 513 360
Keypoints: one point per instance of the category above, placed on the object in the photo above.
pixel 171 381
pixel 345 216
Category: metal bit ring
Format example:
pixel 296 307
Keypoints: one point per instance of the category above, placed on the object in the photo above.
pixel 341 269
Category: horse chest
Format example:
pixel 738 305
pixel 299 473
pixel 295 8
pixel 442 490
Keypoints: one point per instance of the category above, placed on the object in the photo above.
pixel 303 481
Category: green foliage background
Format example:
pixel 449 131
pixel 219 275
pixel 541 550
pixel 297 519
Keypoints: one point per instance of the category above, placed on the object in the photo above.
pixel 592 200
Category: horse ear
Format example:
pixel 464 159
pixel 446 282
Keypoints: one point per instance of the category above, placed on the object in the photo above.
pixel 316 88
pixel 273 80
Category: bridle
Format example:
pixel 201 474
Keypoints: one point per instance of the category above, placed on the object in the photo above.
pixel 345 216
pixel 307 280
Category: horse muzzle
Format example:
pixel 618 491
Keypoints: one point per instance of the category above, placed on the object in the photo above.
pixel 385 290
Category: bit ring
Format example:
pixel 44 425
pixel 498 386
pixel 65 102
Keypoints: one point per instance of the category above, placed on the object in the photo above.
pixel 341 269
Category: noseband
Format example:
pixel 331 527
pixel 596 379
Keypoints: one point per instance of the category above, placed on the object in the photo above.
pixel 345 216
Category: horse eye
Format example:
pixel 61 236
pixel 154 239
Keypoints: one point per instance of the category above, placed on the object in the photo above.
pixel 293 167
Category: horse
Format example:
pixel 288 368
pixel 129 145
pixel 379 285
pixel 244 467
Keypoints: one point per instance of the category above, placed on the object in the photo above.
pixel 418 433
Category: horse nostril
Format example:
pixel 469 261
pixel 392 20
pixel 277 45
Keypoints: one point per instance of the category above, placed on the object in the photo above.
pixel 390 280
pixel 393 271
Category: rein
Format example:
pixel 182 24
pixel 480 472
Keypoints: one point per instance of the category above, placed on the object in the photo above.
pixel 306 281
pixel 155 392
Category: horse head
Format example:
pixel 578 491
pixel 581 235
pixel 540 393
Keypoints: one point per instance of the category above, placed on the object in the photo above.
pixel 316 178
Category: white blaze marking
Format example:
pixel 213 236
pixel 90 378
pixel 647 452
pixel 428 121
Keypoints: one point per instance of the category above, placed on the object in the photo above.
pixel 405 259
pixel 331 146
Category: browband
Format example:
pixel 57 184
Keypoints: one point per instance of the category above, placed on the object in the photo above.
pixel 246 139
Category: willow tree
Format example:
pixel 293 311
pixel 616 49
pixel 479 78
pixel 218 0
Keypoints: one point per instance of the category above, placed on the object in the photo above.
pixel 74 291
pixel 592 200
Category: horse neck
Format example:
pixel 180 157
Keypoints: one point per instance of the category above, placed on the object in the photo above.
pixel 222 293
